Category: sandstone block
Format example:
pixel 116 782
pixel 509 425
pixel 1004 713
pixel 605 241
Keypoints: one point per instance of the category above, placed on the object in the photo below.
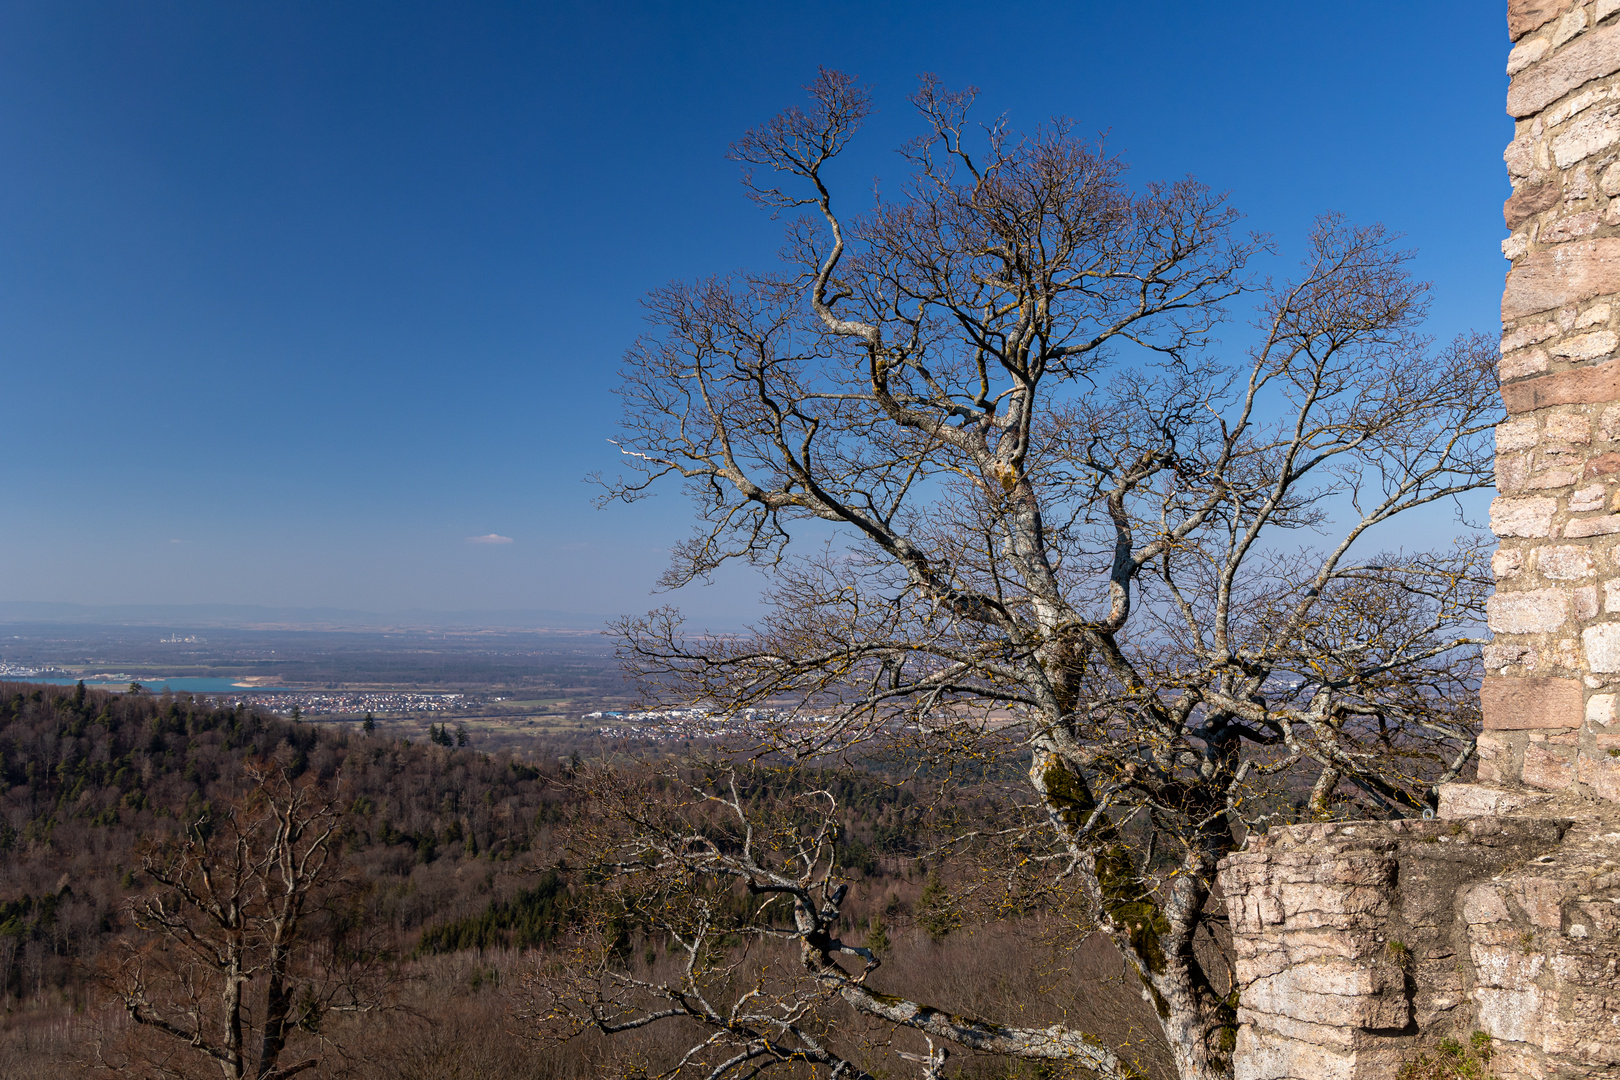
pixel 1508 966
pixel 1574 106
pixel 1602 465
pixel 1600 772
pixel 1585 137
pixel 1484 904
pixel 1567 427
pixel 1542 899
pixel 1593 56
pixel 1522 517
pixel 1573 22
pixel 1520 433
pixel 1573 227
pixel 1342 1039
pixel 1522 365
pixel 1593 526
pixel 1596 315
pixel 1586 499
pixel 1602 647
pixel 1566 563
pixel 1495 757
pixel 1520 157
pixel 1522 56
pixel 1600 709
pixel 1566 274
pixel 1525 15
pixel 1507 562
pixel 1530 702
pixel 1583 386
pixel 1534 611
pixel 1529 200
pixel 1462 801
pixel 1586 346
pixel 1546 767
pixel 1509 1015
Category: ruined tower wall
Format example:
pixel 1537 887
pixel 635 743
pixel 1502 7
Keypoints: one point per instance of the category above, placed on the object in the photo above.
pixel 1553 671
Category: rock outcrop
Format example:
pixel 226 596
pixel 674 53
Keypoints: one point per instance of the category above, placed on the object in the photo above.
pixel 1358 944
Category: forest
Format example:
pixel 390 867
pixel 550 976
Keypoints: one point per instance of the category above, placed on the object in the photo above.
pixel 458 876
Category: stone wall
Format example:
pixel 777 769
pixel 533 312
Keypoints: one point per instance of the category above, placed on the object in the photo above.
pixel 1357 945
pixel 1553 671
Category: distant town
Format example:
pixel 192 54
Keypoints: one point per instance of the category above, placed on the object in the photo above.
pixel 354 702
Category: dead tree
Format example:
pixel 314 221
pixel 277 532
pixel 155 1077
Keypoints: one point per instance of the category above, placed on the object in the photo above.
pixel 228 967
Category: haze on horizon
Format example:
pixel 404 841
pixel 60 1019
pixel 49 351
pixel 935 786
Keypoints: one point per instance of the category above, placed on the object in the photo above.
pixel 309 305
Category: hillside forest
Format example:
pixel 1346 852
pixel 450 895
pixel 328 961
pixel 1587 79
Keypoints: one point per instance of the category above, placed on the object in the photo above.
pixel 454 896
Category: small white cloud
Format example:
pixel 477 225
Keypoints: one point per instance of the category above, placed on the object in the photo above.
pixel 492 538
pixel 174 541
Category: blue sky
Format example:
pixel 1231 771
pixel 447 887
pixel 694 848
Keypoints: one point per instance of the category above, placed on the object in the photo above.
pixel 296 297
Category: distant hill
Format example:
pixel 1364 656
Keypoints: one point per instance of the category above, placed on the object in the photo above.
pixel 256 617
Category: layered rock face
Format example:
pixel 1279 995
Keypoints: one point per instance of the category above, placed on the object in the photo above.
pixel 1358 944
pixel 1553 672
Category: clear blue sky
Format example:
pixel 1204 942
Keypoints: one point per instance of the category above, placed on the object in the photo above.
pixel 295 297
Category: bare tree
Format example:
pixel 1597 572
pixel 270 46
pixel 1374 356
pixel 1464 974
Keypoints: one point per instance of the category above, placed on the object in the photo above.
pixel 1066 527
pixel 245 947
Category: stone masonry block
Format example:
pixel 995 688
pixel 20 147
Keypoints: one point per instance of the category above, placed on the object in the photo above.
pixel 1510 1015
pixel 1547 767
pixel 1526 15
pixel 1588 135
pixel 1530 200
pixel 1587 498
pixel 1566 563
pixel 1522 517
pixel 1600 772
pixel 1524 55
pixel 1516 434
pixel 1602 465
pixel 1534 611
pixel 1607 525
pixel 1521 365
pixel 1568 426
pixel 1565 274
pixel 1587 346
pixel 1495 757
pixel 1530 702
pixel 1590 57
pixel 1579 386
pixel 1602 646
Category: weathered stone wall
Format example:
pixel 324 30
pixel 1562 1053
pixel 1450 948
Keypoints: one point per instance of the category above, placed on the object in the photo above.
pixel 1348 944
pixel 1358 944
pixel 1553 671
